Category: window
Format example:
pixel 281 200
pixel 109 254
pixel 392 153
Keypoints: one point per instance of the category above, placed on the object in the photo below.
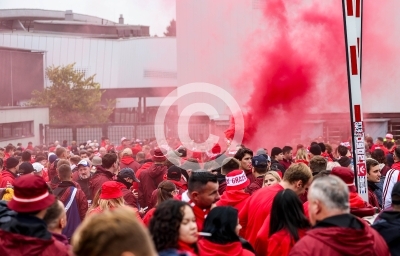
pixel 16 130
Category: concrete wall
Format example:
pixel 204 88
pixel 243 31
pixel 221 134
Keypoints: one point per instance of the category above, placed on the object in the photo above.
pixel 12 115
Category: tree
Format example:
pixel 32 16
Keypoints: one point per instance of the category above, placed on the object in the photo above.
pixel 171 29
pixel 72 98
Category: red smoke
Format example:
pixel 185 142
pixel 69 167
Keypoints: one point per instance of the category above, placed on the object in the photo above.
pixel 300 69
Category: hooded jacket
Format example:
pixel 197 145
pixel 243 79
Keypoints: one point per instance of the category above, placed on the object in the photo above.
pixel 255 185
pixel 208 248
pixel 128 161
pixel 341 235
pixel 98 178
pixel 7 176
pixel 256 210
pixel 388 226
pixel 144 166
pixel 234 198
pixel 129 198
pixel 25 235
pixel 149 180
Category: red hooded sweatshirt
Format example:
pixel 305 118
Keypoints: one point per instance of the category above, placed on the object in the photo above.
pixel 256 210
pixel 207 248
pixel 128 161
pixel 327 239
pixel 149 180
pixel 234 198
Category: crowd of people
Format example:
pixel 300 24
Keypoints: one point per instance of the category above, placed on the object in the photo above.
pixel 142 198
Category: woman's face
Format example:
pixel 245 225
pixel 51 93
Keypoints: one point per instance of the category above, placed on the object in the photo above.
pixel 269 180
pixel 238 227
pixel 188 228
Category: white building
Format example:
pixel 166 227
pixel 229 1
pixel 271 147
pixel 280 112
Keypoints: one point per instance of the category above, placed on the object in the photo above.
pixel 22 125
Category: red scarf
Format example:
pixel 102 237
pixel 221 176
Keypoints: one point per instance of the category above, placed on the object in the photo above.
pixel 184 247
pixel 200 215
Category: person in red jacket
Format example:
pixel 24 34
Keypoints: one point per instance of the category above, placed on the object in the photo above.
pixel 105 172
pixel 297 177
pixel 203 194
pixel 235 195
pixel 9 152
pixel 287 159
pixel 166 190
pixel 174 175
pixel 373 177
pixel 10 173
pixel 73 198
pixel 260 168
pixel 379 145
pixel 128 160
pixel 286 225
pixel 335 231
pixel 151 177
pixel 221 230
pixel 25 232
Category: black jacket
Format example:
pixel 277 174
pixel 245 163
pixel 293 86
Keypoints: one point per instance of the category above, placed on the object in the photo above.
pixel 276 166
pixel 388 226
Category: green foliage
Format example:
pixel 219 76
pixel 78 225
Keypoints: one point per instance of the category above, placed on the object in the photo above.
pixel 171 29
pixel 72 98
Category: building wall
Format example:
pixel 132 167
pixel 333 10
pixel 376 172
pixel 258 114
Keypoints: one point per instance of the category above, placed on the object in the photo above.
pixel 127 63
pixel 16 115
pixel 20 74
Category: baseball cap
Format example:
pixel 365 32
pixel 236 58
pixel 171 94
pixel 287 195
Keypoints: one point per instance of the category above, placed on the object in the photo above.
pixel 174 173
pixel 123 139
pixel 259 161
pixel 84 163
pixel 38 167
pixel 26 168
pixel 128 173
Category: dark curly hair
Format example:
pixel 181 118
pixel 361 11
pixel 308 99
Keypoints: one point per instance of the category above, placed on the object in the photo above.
pixel 379 155
pixel 165 224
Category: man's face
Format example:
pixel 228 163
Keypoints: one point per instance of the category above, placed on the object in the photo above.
pixel 279 157
pixel 102 151
pixel 126 143
pixel 378 142
pixel 374 174
pixel 84 155
pixel 288 155
pixel 245 163
pixel 207 196
pixel 107 142
pixel 84 172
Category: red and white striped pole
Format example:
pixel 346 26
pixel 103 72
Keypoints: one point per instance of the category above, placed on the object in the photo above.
pixel 352 14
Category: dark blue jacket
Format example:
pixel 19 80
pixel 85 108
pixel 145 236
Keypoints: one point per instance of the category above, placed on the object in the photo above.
pixel 388 227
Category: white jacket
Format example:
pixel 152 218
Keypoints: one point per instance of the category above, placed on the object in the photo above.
pixel 392 177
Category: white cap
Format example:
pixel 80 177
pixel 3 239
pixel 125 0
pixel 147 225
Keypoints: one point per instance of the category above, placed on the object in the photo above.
pixel 38 167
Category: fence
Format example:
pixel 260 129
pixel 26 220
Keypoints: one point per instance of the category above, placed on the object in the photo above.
pixel 82 133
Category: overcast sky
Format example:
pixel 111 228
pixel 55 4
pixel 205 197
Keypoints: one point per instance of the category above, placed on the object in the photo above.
pixel 154 13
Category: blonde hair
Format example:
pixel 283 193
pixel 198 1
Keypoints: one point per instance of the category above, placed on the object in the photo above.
pixel 127 152
pixel 302 154
pixel 274 174
pixel 105 204
pixel 112 233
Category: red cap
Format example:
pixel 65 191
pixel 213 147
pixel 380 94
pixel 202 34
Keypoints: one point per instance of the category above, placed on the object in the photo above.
pixel 346 175
pixel 111 190
pixel 31 194
pixel 236 180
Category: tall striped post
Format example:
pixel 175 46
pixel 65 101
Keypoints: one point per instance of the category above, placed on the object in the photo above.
pixel 352 13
